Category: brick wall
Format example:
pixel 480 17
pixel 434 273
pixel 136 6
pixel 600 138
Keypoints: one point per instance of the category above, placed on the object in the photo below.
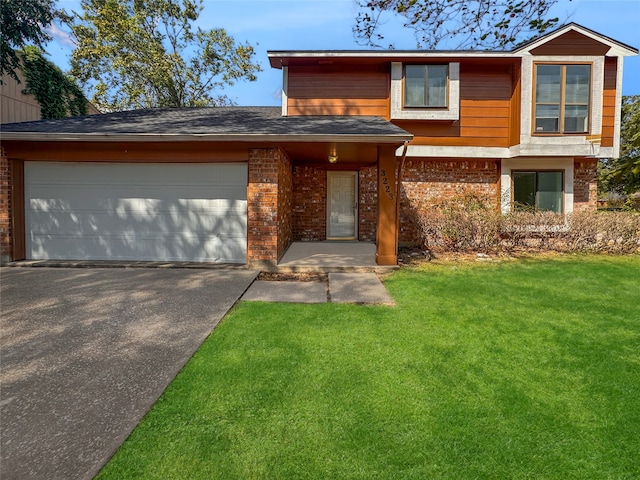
pixel 268 218
pixel 5 208
pixel 285 192
pixel 585 184
pixel 368 204
pixel 426 180
pixel 309 203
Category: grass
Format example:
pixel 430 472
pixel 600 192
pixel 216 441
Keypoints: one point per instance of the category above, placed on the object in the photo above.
pixel 521 369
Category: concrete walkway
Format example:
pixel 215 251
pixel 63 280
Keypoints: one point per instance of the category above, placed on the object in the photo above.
pixel 359 288
pixel 332 256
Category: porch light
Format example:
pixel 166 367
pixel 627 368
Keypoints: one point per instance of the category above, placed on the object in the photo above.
pixel 332 158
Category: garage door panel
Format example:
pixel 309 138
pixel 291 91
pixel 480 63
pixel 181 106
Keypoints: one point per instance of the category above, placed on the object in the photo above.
pixel 136 174
pixel 140 223
pixel 122 220
pixel 92 197
pixel 121 207
pixel 198 249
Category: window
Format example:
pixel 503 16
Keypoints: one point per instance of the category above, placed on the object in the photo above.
pixel 425 92
pixel 425 86
pixel 562 98
pixel 540 191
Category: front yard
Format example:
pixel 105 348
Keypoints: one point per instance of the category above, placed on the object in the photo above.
pixel 519 369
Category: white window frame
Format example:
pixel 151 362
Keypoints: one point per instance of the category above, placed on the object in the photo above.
pixel 398 112
pixel 537 189
pixel 509 165
pixel 540 144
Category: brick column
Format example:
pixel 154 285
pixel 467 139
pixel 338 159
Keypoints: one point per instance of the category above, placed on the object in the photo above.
pixel 368 205
pixel 268 207
pixel 386 251
pixel 585 184
pixel 6 243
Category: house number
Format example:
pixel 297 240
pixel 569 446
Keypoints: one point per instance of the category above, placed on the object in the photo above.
pixel 385 184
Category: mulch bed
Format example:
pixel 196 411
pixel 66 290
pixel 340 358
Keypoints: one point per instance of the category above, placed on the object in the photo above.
pixel 293 277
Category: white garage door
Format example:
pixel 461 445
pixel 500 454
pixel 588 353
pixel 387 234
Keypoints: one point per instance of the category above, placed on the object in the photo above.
pixel 115 211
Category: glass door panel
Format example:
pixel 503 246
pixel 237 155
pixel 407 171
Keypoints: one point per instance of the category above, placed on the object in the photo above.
pixel 342 205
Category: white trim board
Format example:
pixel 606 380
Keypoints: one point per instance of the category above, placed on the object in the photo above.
pixel 586 149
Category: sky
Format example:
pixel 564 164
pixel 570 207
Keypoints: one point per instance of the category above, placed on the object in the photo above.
pixel 327 25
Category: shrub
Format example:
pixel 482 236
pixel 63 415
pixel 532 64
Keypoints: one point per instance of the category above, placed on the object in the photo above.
pixel 632 204
pixel 531 229
pixel 606 232
pixel 468 221
pixel 465 221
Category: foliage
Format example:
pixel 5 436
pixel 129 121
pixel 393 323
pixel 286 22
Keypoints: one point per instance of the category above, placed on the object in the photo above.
pixel 23 22
pixel 140 54
pixel 519 369
pixel 465 221
pixel 603 232
pixel 56 93
pixel 486 24
pixel 468 221
pixel 622 175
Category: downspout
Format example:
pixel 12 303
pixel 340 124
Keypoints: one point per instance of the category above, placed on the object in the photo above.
pixel 398 188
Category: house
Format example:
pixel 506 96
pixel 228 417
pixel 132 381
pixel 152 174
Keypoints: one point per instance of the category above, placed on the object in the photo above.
pixel 240 184
pixel 17 106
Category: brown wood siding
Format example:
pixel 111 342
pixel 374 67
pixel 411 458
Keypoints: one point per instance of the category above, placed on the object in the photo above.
pixel 609 101
pixel 486 94
pixel 338 90
pixel 571 43
pixel 354 106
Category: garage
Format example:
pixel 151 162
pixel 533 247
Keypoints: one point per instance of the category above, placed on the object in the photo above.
pixel 136 211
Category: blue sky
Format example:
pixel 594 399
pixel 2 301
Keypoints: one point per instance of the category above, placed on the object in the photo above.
pixel 326 25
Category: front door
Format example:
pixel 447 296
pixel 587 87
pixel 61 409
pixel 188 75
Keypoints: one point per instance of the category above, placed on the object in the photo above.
pixel 342 207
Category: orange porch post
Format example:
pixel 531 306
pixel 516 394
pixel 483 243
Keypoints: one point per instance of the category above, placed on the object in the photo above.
pixel 386 248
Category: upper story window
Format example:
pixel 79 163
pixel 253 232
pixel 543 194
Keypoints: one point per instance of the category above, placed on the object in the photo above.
pixel 425 92
pixel 425 86
pixel 562 94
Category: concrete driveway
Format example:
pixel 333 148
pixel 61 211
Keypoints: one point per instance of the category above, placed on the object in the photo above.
pixel 86 352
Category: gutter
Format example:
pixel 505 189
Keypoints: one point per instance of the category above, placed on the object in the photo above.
pixel 106 137
pixel 278 58
pixel 398 189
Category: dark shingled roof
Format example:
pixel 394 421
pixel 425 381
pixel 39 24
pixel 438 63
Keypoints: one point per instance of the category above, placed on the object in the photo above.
pixel 212 123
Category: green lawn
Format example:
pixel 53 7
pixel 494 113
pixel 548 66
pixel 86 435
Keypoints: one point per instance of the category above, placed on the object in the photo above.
pixel 520 369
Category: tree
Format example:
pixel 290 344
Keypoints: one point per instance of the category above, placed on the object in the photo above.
pixel 56 93
pixel 622 175
pixel 487 24
pixel 146 53
pixel 23 23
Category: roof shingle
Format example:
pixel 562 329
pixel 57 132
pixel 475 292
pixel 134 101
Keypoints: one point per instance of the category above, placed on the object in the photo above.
pixel 209 122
